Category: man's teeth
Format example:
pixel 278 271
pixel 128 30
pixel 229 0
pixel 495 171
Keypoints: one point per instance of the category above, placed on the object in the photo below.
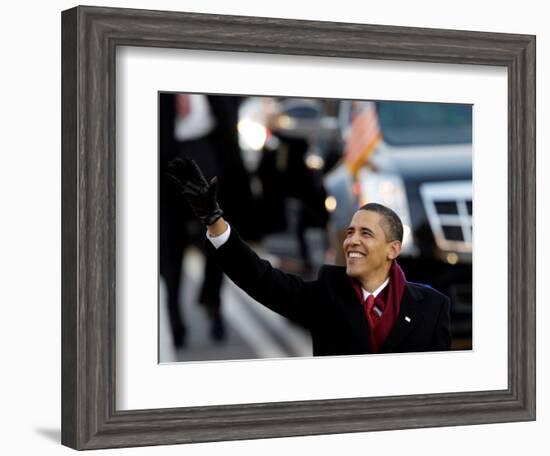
pixel 355 255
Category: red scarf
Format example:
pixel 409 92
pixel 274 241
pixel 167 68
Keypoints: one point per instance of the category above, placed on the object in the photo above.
pixel 389 302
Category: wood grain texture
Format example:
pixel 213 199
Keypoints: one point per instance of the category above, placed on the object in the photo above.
pixel 89 39
pixel 69 297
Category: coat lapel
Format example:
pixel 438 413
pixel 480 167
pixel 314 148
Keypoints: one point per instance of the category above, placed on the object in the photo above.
pixel 409 314
pixel 353 310
pixel 406 321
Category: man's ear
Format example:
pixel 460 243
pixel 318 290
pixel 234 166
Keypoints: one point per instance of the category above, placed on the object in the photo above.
pixel 394 250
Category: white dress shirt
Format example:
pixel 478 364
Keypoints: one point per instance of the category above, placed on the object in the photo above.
pixel 218 241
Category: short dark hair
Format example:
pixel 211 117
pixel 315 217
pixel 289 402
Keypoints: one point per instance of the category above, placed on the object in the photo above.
pixel 392 225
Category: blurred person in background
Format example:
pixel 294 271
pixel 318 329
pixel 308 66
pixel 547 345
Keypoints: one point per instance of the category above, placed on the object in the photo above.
pixel 367 306
pixel 204 128
pixel 290 192
pixel 286 176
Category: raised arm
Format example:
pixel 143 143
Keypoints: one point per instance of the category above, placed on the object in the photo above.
pixel 286 294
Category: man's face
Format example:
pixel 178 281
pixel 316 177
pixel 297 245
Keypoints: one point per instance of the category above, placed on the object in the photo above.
pixel 365 247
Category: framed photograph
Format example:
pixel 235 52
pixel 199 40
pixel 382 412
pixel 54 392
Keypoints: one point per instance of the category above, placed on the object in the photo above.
pixel 118 65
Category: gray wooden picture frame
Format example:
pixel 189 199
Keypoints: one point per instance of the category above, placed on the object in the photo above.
pixel 90 36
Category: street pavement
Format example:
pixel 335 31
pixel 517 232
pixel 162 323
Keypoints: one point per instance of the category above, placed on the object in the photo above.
pixel 252 330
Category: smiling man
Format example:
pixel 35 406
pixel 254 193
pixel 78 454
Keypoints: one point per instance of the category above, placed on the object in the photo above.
pixel 373 240
pixel 366 307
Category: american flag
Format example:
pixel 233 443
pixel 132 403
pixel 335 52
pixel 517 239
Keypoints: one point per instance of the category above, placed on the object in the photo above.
pixel 364 136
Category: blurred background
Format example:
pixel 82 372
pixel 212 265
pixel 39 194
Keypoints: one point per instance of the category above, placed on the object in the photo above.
pixel 292 172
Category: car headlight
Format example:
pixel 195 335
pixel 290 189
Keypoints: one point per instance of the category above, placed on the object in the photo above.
pixel 389 190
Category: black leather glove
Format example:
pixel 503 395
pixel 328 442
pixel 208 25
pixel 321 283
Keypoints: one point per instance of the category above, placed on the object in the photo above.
pixel 199 193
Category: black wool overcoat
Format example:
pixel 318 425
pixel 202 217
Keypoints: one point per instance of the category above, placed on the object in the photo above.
pixel 329 307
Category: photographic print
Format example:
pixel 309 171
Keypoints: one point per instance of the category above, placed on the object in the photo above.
pixel 299 180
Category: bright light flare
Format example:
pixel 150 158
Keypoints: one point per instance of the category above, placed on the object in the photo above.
pixel 252 135
pixel 330 203
pixel 452 258
pixel 314 161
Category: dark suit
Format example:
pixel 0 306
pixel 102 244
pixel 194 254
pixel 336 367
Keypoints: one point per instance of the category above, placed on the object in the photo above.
pixel 218 154
pixel 330 308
